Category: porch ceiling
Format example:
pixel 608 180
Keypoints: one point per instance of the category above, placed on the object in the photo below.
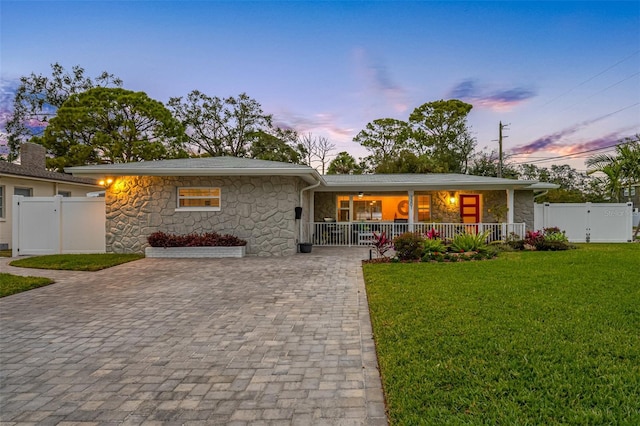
pixel 420 182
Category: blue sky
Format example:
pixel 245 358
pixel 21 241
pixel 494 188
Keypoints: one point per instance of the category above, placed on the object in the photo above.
pixel 564 75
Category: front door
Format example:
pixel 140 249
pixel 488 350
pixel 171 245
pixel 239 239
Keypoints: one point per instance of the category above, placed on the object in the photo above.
pixel 470 208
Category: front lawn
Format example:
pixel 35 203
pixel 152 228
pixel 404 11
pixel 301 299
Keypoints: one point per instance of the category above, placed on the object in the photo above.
pixel 76 262
pixel 12 284
pixel 527 338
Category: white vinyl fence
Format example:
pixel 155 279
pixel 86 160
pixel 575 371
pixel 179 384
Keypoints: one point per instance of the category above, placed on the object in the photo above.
pixel 588 222
pixel 54 225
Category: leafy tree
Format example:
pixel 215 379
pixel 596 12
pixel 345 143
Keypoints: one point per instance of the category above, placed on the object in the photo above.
pixel 344 164
pixel 485 163
pixel 575 187
pixel 221 126
pixel 408 162
pixel 38 97
pixel 440 129
pixel 384 138
pixel 265 146
pixel 111 125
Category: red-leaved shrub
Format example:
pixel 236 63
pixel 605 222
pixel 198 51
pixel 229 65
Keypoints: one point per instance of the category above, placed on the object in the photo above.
pixel 208 239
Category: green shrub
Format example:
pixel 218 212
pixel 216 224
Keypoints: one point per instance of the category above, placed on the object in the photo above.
pixel 470 242
pixel 550 245
pixel 409 246
pixel 554 234
pixel 434 245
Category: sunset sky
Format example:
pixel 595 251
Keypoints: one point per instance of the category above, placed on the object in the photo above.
pixel 565 76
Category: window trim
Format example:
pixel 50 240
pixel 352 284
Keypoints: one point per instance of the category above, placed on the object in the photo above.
pixel 23 188
pixel 418 209
pixel 199 208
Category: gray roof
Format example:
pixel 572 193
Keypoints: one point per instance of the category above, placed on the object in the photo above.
pixel 214 163
pixel 428 180
pixel 230 166
pixel 38 173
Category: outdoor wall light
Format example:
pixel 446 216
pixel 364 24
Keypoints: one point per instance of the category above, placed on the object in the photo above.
pixel 452 198
pixel 360 194
pixel 106 182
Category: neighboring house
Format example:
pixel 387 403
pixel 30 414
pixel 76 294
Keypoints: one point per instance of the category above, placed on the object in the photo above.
pixel 31 179
pixel 632 195
pixel 260 201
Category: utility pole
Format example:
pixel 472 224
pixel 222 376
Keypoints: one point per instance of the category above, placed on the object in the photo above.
pixel 501 126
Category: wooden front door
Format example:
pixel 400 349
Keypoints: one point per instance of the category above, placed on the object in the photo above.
pixel 470 208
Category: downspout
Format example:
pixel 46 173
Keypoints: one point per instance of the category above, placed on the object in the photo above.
pixel 315 185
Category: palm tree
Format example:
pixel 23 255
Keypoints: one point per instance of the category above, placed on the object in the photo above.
pixel 621 170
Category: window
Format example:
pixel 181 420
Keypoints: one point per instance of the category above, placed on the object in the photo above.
pixel 343 209
pixel 423 208
pixel 1 202
pixel 26 192
pixel 199 199
pixel 65 193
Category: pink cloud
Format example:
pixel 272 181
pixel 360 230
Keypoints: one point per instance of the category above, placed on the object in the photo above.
pixel 495 99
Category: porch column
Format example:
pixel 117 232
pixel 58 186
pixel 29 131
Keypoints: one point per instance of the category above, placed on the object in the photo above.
pixel 510 204
pixel 411 227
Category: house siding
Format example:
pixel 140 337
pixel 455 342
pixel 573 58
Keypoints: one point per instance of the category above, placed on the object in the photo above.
pixel 257 209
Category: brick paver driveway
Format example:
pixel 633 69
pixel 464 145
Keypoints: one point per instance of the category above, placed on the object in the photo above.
pixel 228 341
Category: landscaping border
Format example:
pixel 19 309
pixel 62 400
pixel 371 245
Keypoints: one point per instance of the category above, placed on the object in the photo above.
pixel 195 252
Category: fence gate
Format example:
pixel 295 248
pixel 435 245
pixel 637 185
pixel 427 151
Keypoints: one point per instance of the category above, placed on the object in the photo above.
pixel 588 222
pixel 52 225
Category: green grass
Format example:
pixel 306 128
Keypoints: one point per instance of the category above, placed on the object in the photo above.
pixel 12 284
pixel 529 338
pixel 5 253
pixel 76 262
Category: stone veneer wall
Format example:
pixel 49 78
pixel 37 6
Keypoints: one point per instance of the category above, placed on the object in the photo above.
pixel 324 205
pixel 524 208
pixel 257 209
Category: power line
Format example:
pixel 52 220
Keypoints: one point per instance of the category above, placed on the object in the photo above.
pixel 575 153
pixel 591 78
pixel 588 80
pixel 600 91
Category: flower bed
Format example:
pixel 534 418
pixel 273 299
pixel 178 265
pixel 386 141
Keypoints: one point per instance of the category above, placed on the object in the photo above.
pixel 207 245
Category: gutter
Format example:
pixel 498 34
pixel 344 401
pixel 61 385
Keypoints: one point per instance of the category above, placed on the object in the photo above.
pixel 540 194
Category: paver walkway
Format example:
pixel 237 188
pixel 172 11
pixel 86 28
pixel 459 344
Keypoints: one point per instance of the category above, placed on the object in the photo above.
pixel 262 341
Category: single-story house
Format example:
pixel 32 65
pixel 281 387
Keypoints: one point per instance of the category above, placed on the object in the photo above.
pixel 30 178
pixel 275 206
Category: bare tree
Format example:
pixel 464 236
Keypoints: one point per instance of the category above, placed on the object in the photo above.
pixel 307 146
pixel 315 148
pixel 323 149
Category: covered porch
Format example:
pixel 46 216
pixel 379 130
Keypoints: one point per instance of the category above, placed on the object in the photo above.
pixel 362 234
pixel 352 218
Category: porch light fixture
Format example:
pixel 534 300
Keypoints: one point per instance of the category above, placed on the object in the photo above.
pixel 360 194
pixel 106 182
pixel 452 197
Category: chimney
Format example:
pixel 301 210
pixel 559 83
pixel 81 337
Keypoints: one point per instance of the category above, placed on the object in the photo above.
pixel 33 156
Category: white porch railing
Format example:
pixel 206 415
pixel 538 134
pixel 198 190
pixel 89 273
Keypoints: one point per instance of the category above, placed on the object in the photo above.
pixel 361 234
